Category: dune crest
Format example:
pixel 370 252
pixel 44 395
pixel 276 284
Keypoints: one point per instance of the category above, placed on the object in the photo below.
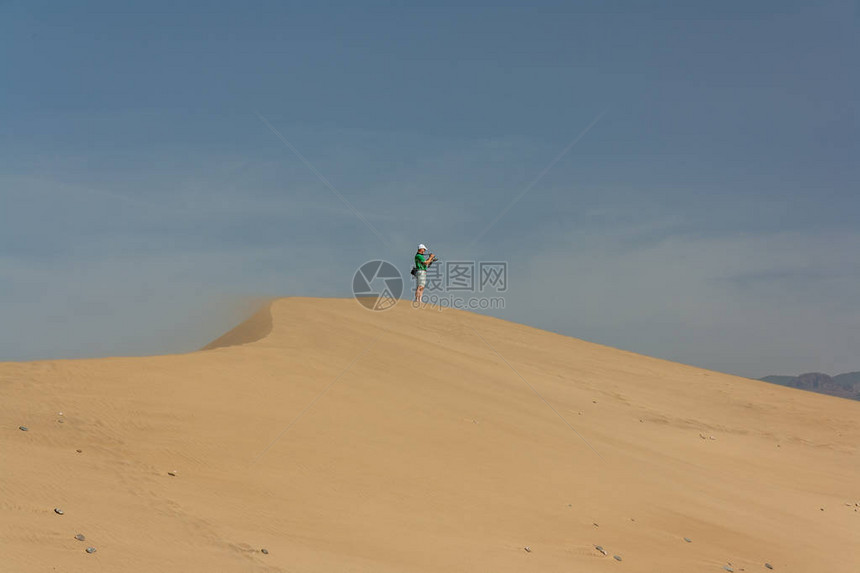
pixel 340 439
pixel 254 328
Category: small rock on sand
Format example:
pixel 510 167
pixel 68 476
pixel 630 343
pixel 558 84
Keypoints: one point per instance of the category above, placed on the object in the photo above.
pixel 264 551
pixel 727 568
pixel 24 428
pixel 80 537
pixel 91 549
pixel 173 473
pixel 617 557
pixel 58 511
pixel 528 549
pixel 601 549
pixel 768 565
pixel 688 540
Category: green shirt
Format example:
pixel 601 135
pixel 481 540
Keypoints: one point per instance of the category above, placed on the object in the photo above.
pixel 419 262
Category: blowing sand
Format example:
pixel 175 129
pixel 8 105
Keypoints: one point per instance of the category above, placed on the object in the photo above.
pixel 340 439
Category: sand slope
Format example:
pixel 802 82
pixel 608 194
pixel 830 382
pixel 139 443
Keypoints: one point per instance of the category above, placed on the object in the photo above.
pixel 410 440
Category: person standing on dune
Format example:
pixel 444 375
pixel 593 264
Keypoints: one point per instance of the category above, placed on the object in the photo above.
pixel 422 261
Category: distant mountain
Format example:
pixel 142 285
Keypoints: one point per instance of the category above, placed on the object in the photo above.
pixel 844 385
pixel 851 379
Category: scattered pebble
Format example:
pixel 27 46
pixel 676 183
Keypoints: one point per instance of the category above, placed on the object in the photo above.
pixel 617 557
pixel 711 438
pixel 61 421
pixel 264 551
pixel 24 428
pixel 821 508
pixel 727 568
pixel 59 413
pixel 173 473
pixel 91 549
pixel 768 565
pixel 79 451
pixel 528 549
pixel 80 537
pixel 595 524
pixel 688 540
pixel 594 401
pixel 601 549
pixel 58 511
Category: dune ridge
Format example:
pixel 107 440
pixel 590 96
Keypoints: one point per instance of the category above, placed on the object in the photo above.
pixel 259 325
pixel 416 440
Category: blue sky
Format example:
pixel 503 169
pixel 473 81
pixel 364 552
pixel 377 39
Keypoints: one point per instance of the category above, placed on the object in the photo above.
pixel 709 215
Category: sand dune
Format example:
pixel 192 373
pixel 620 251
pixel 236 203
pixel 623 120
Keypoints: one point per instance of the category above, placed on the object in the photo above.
pixel 415 440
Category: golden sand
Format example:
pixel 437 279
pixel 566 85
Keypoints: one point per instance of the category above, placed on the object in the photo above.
pixel 340 439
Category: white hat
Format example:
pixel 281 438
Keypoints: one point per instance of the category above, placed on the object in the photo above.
pixel 421 246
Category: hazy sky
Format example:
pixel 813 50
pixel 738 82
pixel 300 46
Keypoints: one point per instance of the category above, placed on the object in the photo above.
pixel 709 215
